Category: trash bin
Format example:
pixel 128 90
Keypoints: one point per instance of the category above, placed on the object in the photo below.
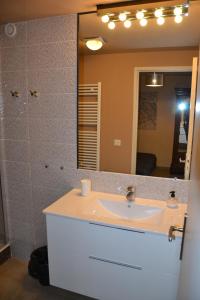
pixel 38 266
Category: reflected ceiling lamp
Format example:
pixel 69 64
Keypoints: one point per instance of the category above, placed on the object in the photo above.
pixel 154 79
pixel 94 43
pixel 127 24
pixel 160 21
pixel 128 12
pixel 182 106
pixel 111 25
pixel 143 22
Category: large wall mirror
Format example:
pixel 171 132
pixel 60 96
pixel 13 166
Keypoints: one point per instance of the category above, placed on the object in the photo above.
pixel 137 91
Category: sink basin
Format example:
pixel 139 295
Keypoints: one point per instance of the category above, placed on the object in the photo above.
pixel 132 211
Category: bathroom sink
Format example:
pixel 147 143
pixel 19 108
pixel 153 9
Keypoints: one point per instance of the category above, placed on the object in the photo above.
pixel 132 211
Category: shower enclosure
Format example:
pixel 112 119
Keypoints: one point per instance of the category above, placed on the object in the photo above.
pixel 5 251
pixel 2 224
pixel 3 235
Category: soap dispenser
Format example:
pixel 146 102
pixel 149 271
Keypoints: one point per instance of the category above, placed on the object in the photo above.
pixel 172 202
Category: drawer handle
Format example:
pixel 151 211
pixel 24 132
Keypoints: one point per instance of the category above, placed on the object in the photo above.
pixel 116 263
pixel 115 227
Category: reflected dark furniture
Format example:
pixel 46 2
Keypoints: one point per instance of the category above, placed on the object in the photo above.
pixel 146 163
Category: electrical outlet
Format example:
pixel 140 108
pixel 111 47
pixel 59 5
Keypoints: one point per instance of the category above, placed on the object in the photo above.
pixel 117 142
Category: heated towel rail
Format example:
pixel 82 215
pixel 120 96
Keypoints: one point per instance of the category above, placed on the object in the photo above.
pixel 89 110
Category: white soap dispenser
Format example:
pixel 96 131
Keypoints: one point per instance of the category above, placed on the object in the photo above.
pixel 172 202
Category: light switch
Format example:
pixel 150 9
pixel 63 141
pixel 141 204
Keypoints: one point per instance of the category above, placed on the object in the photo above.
pixel 117 142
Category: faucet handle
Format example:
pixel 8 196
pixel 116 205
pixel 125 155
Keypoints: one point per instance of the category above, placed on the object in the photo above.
pixel 131 189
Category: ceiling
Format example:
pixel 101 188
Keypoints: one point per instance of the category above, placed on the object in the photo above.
pixel 186 34
pixel 20 10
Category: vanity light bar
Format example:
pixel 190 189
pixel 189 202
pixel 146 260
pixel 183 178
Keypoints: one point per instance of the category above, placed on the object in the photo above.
pixel 150 14
pixel 142 10
pixel 136 5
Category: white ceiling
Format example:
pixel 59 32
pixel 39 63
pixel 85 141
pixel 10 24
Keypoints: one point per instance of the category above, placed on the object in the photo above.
pixel 20 10
pixel 186 34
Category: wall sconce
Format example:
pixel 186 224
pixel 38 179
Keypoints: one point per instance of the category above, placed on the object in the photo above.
pixel 94 43
pixel 154 79
pixel 128 11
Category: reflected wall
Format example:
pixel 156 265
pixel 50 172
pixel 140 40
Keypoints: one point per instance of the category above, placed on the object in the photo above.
pixel 116 73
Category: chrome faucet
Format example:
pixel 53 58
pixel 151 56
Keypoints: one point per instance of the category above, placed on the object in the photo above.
pixel 130 196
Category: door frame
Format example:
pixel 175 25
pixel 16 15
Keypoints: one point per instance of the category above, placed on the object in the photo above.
pixel 193 95
pixel 136 73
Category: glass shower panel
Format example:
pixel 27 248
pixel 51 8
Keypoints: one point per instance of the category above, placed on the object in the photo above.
pixel 2 226
pixel 2 221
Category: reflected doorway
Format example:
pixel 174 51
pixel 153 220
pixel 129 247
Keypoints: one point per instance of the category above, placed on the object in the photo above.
pixel 181 131
pixel 162 126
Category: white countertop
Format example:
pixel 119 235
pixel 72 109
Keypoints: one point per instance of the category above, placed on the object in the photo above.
pixel 73 205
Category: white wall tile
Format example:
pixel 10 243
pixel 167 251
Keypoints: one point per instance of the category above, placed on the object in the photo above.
pixel 48 153
pixel 40 233
pixel 146 187
pixel 13 59
pixel 14 128
pixel 16 172
pixel 22 239
pixel 52 106
pixel 54 29
pixel 53 130
pixel 13 107
pixel 19 201
pixel 51 55
pixel 21 249
pixel 52 81
pixel 13 150
pixel 13 81
pixel 50 176
pixel 41 198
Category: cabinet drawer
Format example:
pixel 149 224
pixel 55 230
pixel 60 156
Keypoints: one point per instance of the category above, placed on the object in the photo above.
pixel 144 250
pixel 68 248
pixel 111 281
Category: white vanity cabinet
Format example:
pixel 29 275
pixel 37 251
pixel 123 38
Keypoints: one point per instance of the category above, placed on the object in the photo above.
pixel 110 263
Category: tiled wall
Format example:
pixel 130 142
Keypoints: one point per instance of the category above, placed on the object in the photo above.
pixel 38 135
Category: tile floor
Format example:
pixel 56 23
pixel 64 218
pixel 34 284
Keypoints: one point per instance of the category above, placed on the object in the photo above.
pixel 16 284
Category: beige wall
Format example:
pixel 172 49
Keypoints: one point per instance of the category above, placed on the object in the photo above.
pixel 160 141
pixel 115 71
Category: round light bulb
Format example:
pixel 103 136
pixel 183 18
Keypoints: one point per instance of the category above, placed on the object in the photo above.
pixel 154 80
pixel 158 13
pixel 178 11
pixel 122 17
pixel 178 19
pixel 111 25
pixel 160 21
pixel 140 15
pixel 127 24
pixel 105 19
pixel 143 22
